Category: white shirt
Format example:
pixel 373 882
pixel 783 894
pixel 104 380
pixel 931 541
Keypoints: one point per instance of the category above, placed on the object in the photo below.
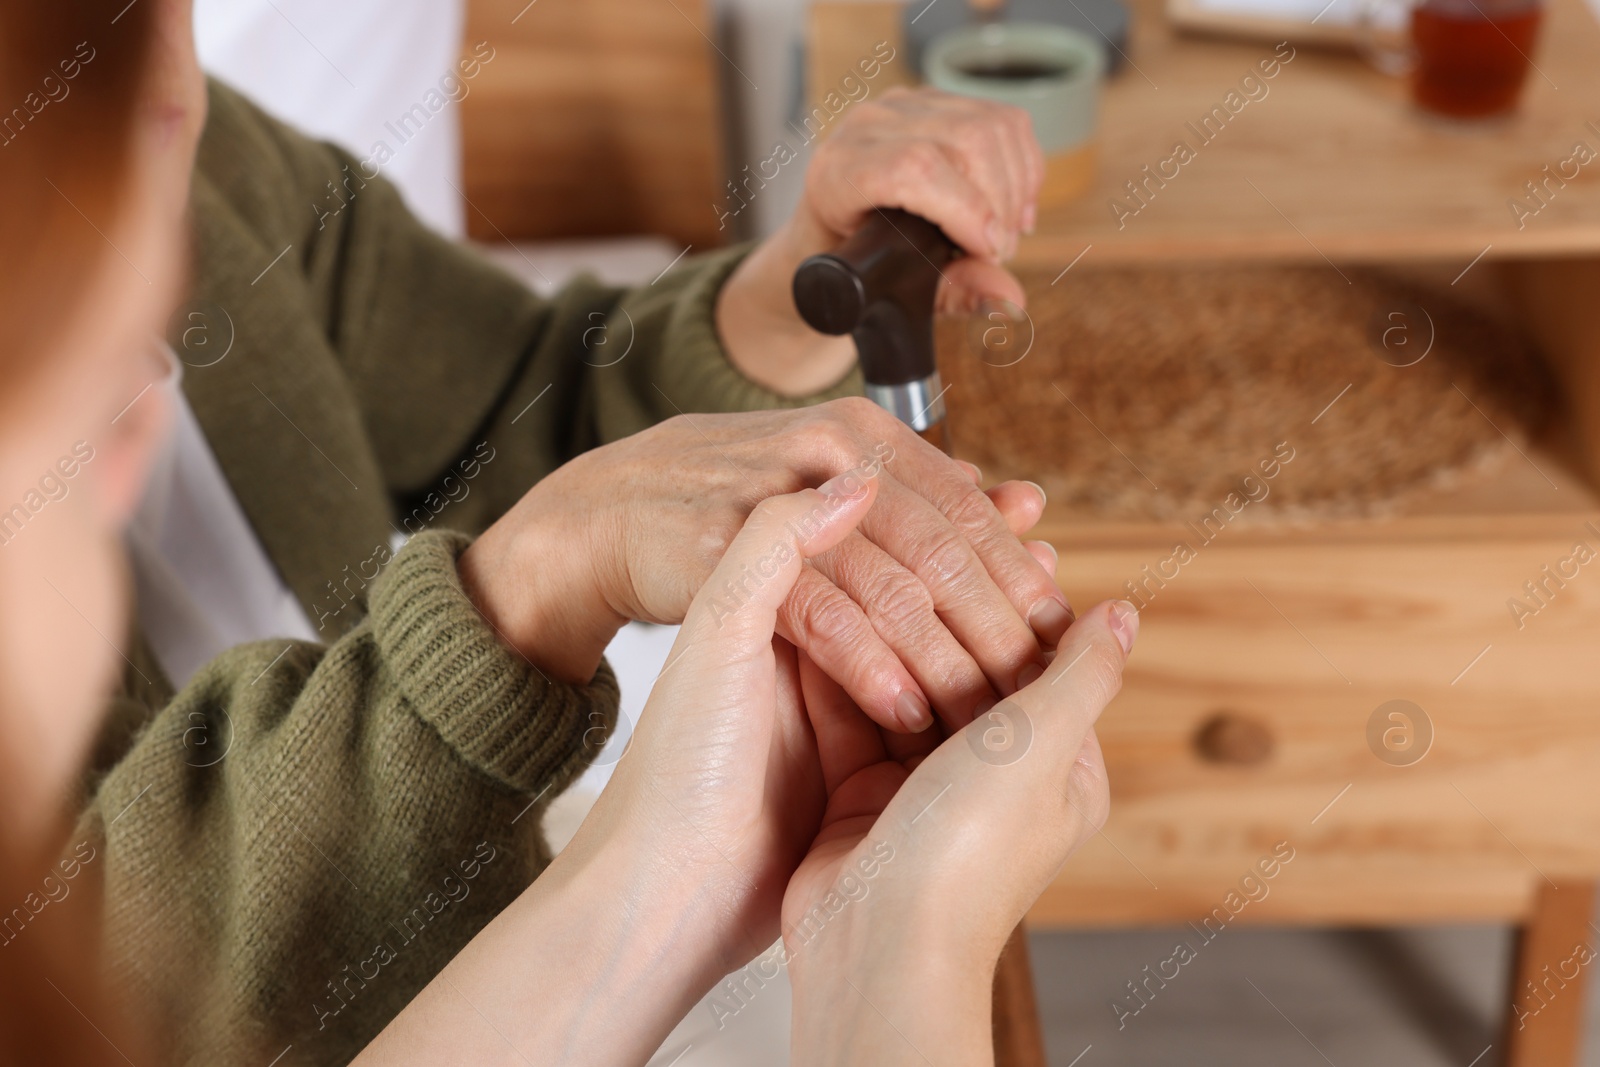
pixel 203 581
pixel 347 72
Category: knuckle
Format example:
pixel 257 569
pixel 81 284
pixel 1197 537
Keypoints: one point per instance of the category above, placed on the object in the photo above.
pixel 987 140
pixel 979 139
pixel 841 427
pixel 827 434
pixel 944 558
pixel 971 511
pixel 1021 121
pixel 825 615
pixel 853 409
pixel 953 673
pixel 922 161
pixel 901 602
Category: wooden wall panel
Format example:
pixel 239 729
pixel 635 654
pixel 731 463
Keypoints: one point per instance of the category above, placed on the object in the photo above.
pixel 595 117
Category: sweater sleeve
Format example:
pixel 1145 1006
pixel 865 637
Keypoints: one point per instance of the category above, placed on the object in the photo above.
pixel 450 357
pixel 304 836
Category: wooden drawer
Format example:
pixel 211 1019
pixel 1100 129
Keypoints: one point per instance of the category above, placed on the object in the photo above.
pixel 1305 634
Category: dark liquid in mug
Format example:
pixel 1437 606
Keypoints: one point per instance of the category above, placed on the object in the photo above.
pixel 1472 58
pixel 1014 70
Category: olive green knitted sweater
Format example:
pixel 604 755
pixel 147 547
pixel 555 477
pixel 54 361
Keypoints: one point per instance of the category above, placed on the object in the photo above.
pixel 298 842
pixel 292 846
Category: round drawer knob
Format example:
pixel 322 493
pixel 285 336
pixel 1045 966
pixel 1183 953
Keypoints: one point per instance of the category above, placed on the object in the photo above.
pixel 1230 738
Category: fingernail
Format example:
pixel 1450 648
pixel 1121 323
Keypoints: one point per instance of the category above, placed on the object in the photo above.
pixel 1055 557
pixel 1049 620
pixel 913 711
pixel 1044 497
pixel 976 472
pixel 1030 218
pixel 1028 675
pixel 846 486
pixel 1125 624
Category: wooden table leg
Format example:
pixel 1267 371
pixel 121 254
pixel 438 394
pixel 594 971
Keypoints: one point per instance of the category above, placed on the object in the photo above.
pixel 1551 961
pixel 1018 1040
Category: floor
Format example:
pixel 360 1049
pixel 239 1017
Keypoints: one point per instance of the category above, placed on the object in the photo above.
pixel 1413 997
pixel 1417 997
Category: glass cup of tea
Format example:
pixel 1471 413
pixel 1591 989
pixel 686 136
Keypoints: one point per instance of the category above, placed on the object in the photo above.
pixel 1466 59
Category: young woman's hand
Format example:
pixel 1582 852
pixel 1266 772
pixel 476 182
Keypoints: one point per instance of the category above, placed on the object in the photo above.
pixel 676 876
pixel 894 921
pixel 972 166
pixel 932 603
pixel 720 789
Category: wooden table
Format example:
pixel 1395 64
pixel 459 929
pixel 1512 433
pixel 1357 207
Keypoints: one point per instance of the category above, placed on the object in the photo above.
pixel 1303 633
pixel 1334 161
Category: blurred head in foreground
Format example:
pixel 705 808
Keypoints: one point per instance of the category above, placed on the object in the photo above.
pixel 100 109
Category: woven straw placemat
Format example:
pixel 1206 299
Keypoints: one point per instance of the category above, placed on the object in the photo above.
pixel 1152 393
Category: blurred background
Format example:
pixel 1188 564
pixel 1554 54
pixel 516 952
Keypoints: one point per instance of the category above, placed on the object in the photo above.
pixel 1309 370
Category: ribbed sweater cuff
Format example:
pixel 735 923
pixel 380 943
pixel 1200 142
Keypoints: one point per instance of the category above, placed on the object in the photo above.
pixel 488 703
pixel 714 383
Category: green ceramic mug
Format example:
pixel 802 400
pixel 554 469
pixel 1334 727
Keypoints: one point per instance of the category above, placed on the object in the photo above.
pixel 1052 72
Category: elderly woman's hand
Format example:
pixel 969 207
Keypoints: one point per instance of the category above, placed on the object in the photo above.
pixel 972 166
pixel 932 602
